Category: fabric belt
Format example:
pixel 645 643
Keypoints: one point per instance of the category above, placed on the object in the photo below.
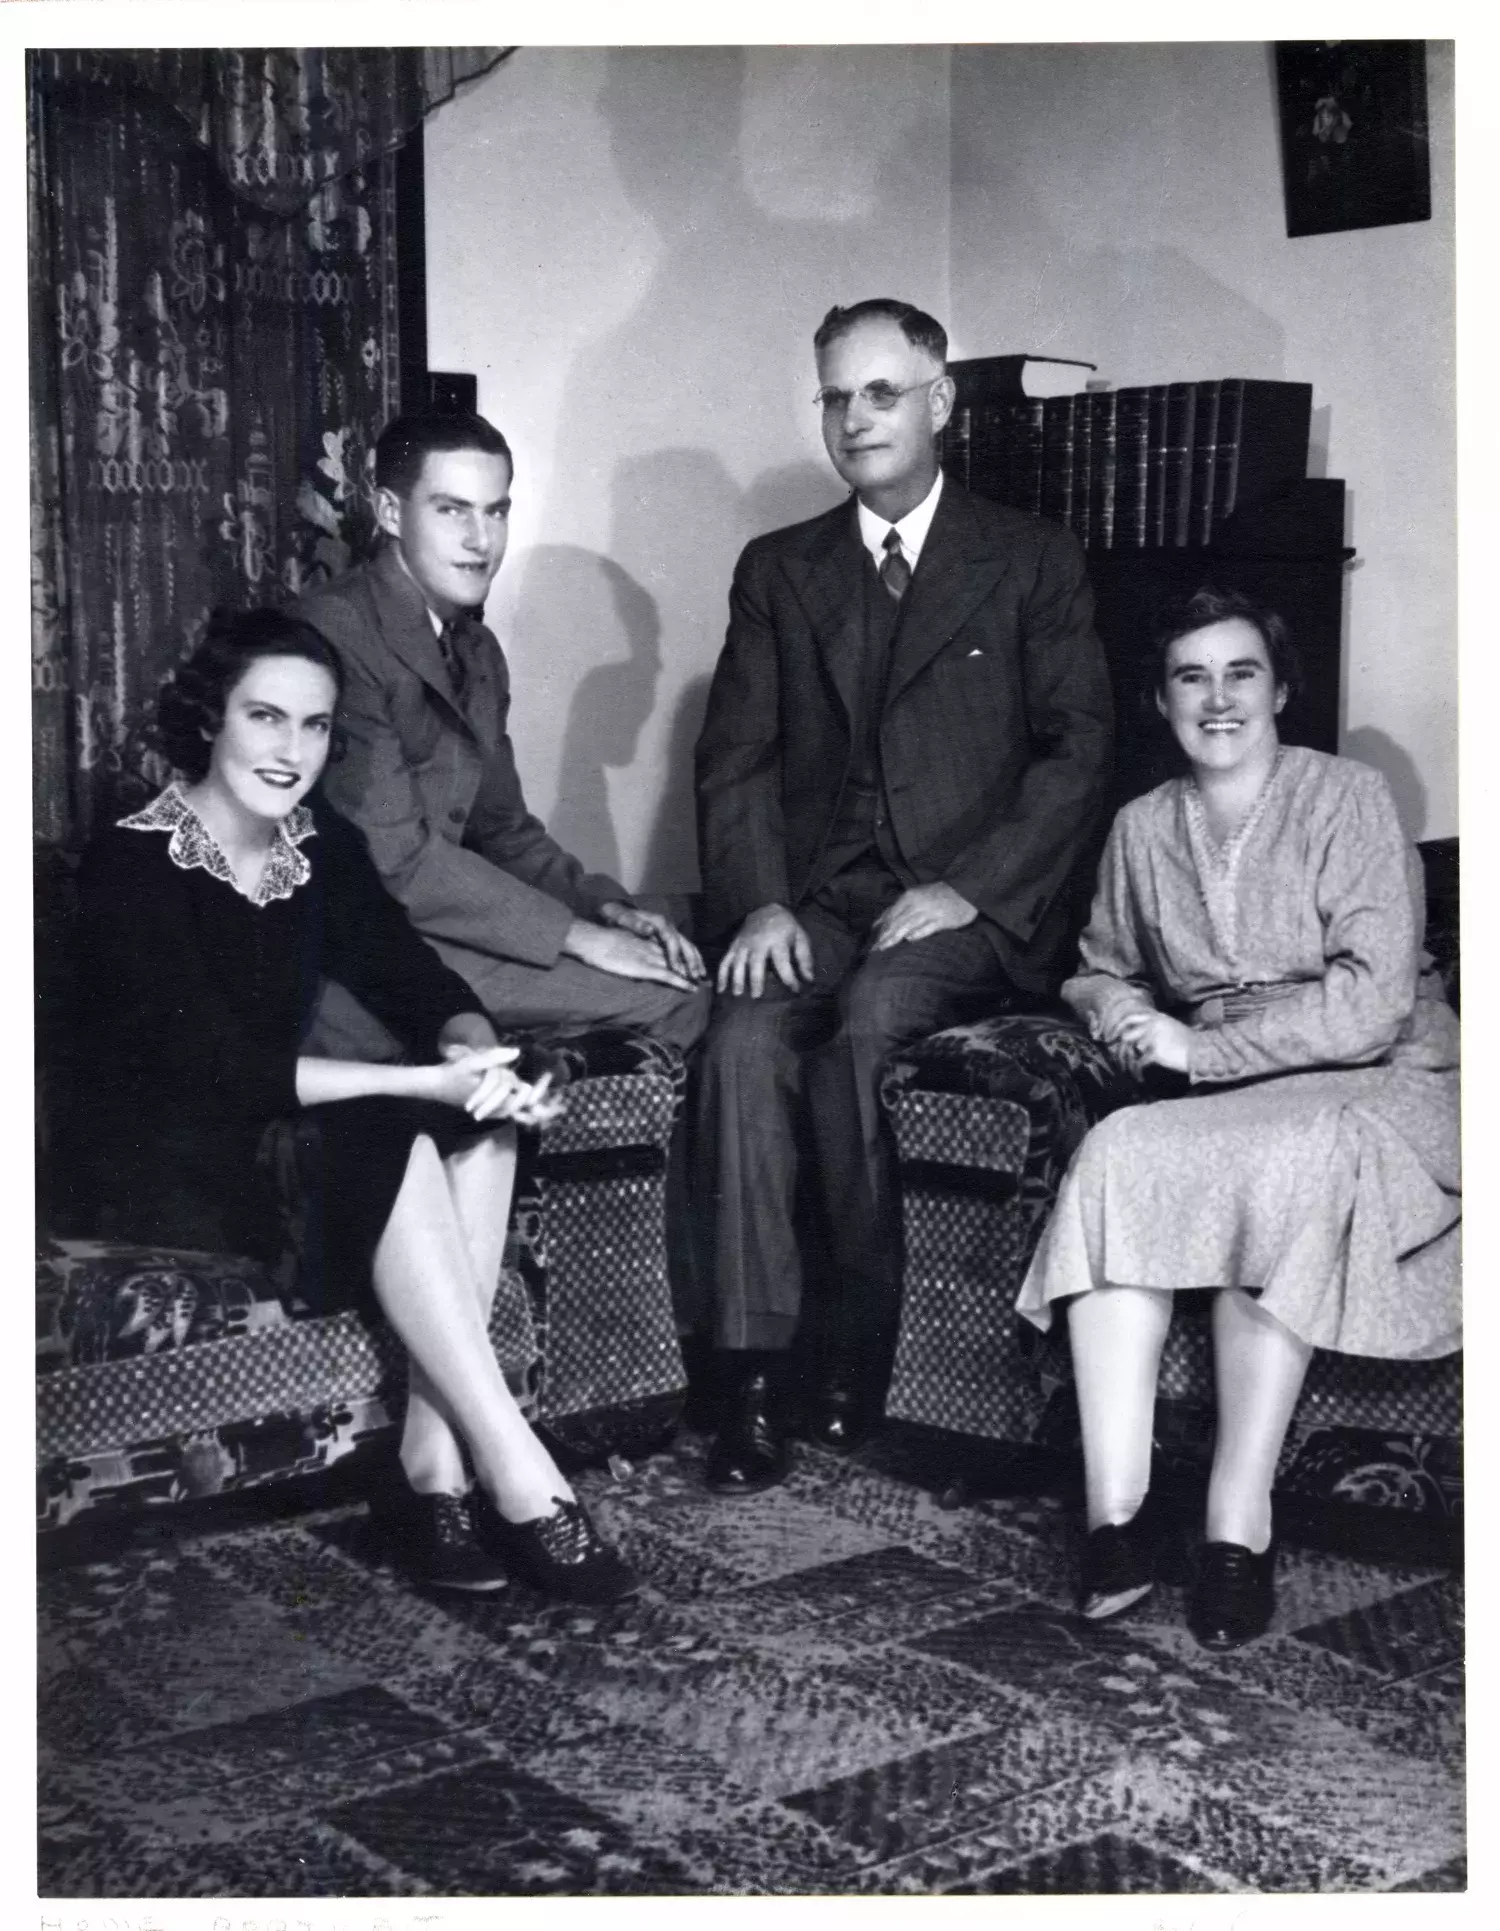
pixel 1239 1002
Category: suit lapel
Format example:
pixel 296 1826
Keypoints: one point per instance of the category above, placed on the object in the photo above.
pixel 829 581
pixel 408 630
pixel 956 572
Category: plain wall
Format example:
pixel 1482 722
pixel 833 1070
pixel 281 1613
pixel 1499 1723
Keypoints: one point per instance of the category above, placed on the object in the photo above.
pixel 631 249
pixel 1124 204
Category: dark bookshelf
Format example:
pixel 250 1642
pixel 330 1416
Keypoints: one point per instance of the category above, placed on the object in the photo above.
pixel 1159 466
pixel 1171 487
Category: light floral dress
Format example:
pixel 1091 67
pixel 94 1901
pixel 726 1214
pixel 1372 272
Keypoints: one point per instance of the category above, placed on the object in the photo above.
pixel 1319 1163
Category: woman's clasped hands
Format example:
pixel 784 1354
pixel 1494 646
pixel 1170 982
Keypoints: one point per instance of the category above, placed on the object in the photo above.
pixel 481 1081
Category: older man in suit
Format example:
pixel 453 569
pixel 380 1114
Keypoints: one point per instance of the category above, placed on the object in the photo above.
pixel 905 752
pixel 429 776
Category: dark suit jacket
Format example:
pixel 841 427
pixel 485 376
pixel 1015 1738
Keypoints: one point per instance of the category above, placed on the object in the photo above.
pixel 995 734
pixel 433 784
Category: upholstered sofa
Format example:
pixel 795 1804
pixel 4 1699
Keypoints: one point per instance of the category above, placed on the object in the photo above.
pixel 166 1375
pixel 986 1117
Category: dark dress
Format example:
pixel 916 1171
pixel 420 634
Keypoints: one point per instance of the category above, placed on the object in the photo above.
pixel 185 1127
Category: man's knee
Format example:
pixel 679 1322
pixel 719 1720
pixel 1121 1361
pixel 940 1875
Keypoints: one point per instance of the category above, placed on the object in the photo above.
pixel 680 1018
pixel 890 1000
pixel 688 1017
pixel 747 1037
pixel 880 1005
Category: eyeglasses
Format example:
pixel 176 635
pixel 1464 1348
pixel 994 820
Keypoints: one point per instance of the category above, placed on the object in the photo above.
pixel 881 396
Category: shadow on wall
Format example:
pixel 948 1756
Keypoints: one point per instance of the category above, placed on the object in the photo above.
pixel 1372 746
pixel 692 359
pixel 1027 258
pixel 575 612
pixel 683 509
pixel 672 845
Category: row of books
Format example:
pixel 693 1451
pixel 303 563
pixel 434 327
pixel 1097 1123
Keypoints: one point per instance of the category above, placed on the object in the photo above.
pixel 1129 469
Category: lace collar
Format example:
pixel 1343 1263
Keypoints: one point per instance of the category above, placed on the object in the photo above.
pixel 1226 856
pixel 193 847
pixel 1218 865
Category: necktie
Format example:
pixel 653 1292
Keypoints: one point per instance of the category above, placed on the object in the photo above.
pixel 895 572
pixel 448 643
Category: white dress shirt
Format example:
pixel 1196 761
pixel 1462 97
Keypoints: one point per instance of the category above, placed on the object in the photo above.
pixel 912 529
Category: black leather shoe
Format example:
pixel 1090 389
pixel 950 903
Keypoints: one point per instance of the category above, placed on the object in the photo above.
pixel 1119 1567
pixel 750 1451
pixel 561 1554
pixel 436 1544
pixel 842 1415
pixel 1234 1597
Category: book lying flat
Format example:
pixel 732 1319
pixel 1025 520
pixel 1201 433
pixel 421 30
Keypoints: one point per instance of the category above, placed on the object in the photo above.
pixel 1012 378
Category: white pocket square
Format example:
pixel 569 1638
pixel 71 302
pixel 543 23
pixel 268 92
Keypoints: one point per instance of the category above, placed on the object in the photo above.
pixel 976 653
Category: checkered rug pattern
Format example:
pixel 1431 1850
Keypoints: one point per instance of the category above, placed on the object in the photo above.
pixel 837 1687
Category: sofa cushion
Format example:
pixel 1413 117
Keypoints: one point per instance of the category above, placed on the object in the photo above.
pixel 97 1302
pixel 1024 1057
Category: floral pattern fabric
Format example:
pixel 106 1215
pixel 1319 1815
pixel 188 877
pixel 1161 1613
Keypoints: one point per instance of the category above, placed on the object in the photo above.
pixel 208 373
pixel 282 122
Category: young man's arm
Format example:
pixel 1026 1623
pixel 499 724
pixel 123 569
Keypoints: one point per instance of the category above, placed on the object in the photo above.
pixel 519 896
pixel 449 891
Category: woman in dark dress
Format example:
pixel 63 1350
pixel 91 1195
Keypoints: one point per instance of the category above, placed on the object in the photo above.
pixel 208 921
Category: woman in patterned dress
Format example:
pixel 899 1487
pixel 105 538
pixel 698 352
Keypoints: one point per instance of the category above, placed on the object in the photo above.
pixel 1256 937
pixel 208 920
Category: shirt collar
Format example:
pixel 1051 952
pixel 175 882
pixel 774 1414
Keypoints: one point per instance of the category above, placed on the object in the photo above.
pixel 912 529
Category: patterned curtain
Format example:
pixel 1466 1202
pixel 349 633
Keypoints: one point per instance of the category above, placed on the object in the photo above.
pixel 210 364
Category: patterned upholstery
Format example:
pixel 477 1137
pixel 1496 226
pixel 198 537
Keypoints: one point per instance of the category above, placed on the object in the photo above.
pixel 162 1375
pixel 986 1117
pixel 591 1246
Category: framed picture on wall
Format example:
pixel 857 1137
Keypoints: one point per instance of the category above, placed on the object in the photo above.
pixel 1353 133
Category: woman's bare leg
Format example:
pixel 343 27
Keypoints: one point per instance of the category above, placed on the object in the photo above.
pixel 481 1180
pixel 425 1283
pixel 1116 1335
pixel 1259 1367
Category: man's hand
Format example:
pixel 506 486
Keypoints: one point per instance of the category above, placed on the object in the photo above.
pixel 920 911
pixel 771 937
pixel 679 951
pixel 609 949
pixel 1153 1039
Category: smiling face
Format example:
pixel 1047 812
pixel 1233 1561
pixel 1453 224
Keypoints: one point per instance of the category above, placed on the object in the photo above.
pixel 1220 696
pixel 450 530
pixel 273 743
pixel 888 456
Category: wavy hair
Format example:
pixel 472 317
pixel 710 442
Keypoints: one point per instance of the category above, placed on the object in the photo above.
pixel 191 704
pixel 919 328
pixel 1210 605
pixel 407 441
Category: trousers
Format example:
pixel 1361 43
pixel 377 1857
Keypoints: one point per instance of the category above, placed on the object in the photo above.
pixel 532 999
pixel 788 1097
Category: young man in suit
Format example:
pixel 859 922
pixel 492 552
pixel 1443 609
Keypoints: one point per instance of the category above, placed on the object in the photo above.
pixel 429 776
pixel 905 751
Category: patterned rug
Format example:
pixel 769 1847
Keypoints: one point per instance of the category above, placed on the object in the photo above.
pixel 839 1686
